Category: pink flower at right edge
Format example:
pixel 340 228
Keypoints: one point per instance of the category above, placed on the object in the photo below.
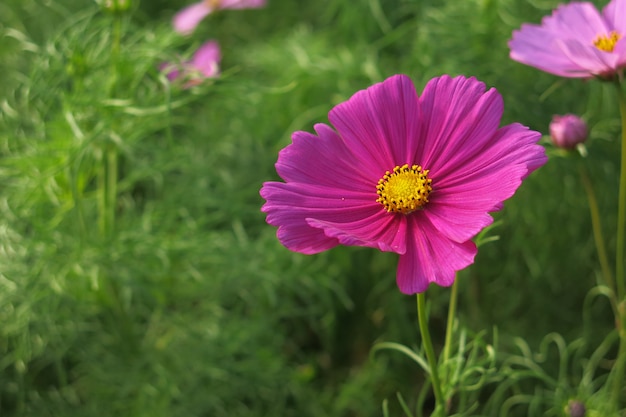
pixel 186 20
pixel 203 64
pixel 413 175
pixel 576 41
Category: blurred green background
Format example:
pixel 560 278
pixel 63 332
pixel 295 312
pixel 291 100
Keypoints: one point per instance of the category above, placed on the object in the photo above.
pixel 189 306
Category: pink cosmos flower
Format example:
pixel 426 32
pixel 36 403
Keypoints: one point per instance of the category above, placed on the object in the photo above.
pixel 406 174
pixel 577 41
pixel 187 19
pixel 568 130
pixel 203 64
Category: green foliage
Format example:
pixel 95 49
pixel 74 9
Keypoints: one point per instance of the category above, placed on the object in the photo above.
pixel 137 274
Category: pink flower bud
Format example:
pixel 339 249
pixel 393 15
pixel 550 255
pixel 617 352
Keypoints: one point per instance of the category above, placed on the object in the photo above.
pixel 568 130
pixel 576 408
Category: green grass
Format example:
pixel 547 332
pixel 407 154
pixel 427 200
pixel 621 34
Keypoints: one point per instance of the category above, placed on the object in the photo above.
pixel 186 304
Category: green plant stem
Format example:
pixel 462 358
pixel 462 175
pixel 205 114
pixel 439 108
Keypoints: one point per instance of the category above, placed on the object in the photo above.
pixel 619 369
pixel 621 205
pixel 596 226
pixel 107 190
pixel 430 354
pixel 111 186
pixel 77 197
pixel 115 54
pixel 110 157
pixel 451 317
pixel 102 197
pixel 617 375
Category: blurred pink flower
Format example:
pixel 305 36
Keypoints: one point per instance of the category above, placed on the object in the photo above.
pixel 187 19
pixel 203 64
pixel 568 130
pixel 406 174
pixel 576 41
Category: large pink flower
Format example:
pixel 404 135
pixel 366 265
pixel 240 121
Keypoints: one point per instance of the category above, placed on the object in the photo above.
pixel 187 19
pixel 406 174
pixel 575 41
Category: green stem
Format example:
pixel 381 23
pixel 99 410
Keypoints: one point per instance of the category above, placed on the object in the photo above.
pixel 621 205
pixel 596 225
pixel 102 197
pixel 617 374
pixel 430 353
pixel 115 53
pixel 108 182
pixel 451 317
pixel 111 186
pixel 74 172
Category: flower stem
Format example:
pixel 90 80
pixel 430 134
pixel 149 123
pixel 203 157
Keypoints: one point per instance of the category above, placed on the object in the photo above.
pixel 617 374
pixel 450 325
pixel 111 186
pixel 430 354
pixel 102 198
pixel 596 226
pixel 621 205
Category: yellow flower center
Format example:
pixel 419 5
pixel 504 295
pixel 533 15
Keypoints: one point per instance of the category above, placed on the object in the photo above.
pixel 606 43
pixel 405 189
pixel 213 4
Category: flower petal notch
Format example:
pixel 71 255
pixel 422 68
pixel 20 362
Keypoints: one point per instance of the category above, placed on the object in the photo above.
pixel 413 175
pixel 187 19
pixel 576 41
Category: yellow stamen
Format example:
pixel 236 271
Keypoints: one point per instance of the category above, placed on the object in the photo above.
pixel 606 43
pixel 405 189
pixel 213 4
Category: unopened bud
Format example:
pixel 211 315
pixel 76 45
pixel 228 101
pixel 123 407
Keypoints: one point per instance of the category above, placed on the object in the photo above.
pixel 576 408
pixel 568 130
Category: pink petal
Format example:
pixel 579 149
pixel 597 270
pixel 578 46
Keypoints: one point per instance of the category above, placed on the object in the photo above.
pixel 299 236
pixel 458 119
pixel 459 203
pixel 431 258
pixel 242 4
pixel 577 20
pixel 615 14
pixel 510 146
pixel 379 125
pixel 537 46
pixel 456 222
pixel 381 230
pixel 187 19
pixel 295 206
pixel 597 62
pixel 620 51
pixel 206 59
pixel 323 160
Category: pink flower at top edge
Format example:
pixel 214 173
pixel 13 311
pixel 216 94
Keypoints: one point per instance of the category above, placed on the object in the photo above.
pixel 203 64
pixel 187 19
pixel 576 41
pixel 406 174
